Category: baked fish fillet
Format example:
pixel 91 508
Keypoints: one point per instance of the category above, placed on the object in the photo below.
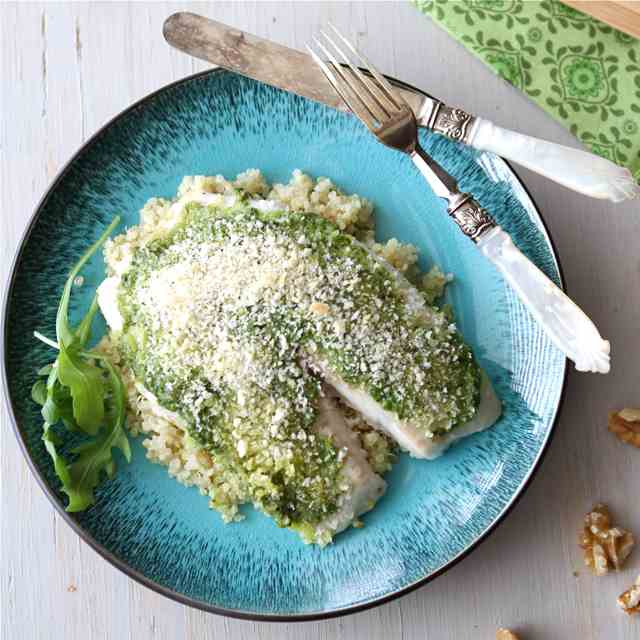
pixel 409 434
pixel 366 487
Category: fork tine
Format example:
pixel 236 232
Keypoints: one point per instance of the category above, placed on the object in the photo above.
pixel 357 110
pixel 382 101
pixel 392 95
pixel 350 84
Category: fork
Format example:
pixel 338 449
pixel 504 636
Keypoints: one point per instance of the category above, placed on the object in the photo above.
pixel 384 112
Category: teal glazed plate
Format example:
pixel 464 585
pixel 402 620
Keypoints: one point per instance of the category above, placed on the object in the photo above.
pixel 434 513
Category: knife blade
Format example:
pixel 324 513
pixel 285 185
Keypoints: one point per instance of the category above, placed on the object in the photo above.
pixel 268 62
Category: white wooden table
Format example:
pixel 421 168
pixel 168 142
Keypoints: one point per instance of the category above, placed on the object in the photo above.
pixel 66 69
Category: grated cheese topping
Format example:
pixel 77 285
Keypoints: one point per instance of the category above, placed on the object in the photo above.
pixel 229 296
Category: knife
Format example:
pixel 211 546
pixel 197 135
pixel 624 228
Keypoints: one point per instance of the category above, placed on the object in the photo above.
pixel 296 72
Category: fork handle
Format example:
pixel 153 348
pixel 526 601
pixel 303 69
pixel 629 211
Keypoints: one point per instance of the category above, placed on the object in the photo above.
pixel 568 327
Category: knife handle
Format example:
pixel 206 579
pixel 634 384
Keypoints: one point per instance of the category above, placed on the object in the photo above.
pixel 568 327
pixel 575 169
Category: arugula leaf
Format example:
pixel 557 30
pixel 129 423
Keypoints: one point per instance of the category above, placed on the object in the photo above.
pixel 61 396
pixel 50 411
pixel 85 383
pixel 56 401
pixel 77 393
pixel 83 332
pixel 50 440
pixel 39 392
pixel 64 332
pixel 96 456
pixel 82 378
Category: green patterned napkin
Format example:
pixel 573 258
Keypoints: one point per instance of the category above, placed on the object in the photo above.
pixel 581 71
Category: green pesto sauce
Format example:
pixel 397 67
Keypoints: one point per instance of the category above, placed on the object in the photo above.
pixel 303 485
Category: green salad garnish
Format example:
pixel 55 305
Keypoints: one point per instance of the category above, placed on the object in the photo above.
pixel 81 392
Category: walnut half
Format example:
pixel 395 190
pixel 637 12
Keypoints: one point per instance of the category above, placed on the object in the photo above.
pixel 629 601
pixel 604 546
pixel 625 425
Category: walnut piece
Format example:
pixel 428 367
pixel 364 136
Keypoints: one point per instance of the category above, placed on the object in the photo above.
pixel 319 308
pixel 625 425
pixel 505 634
pixel 629 601
pixel 605 547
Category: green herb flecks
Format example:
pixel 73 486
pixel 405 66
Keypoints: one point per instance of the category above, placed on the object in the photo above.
pixel 236 363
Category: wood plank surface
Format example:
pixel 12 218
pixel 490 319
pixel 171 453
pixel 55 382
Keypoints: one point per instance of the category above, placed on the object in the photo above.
pixel 66 68
pixel 624 15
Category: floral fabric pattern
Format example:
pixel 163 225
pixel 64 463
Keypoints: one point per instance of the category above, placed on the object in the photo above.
pixel 583 72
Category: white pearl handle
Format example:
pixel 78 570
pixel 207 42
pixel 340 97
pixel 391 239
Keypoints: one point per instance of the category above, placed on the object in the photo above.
pixel 575 169
pixel 564 322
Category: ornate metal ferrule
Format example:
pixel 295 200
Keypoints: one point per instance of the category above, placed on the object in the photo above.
pixel 472 219
pixel 451 122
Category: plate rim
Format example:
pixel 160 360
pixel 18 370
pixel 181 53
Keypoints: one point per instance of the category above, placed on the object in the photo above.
pixel 140 577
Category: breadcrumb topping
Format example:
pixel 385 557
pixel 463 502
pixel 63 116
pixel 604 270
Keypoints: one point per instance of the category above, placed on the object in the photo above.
pixel 230 293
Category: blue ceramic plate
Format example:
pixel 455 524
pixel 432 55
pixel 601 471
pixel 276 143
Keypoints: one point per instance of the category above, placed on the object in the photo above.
pixel 164 534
